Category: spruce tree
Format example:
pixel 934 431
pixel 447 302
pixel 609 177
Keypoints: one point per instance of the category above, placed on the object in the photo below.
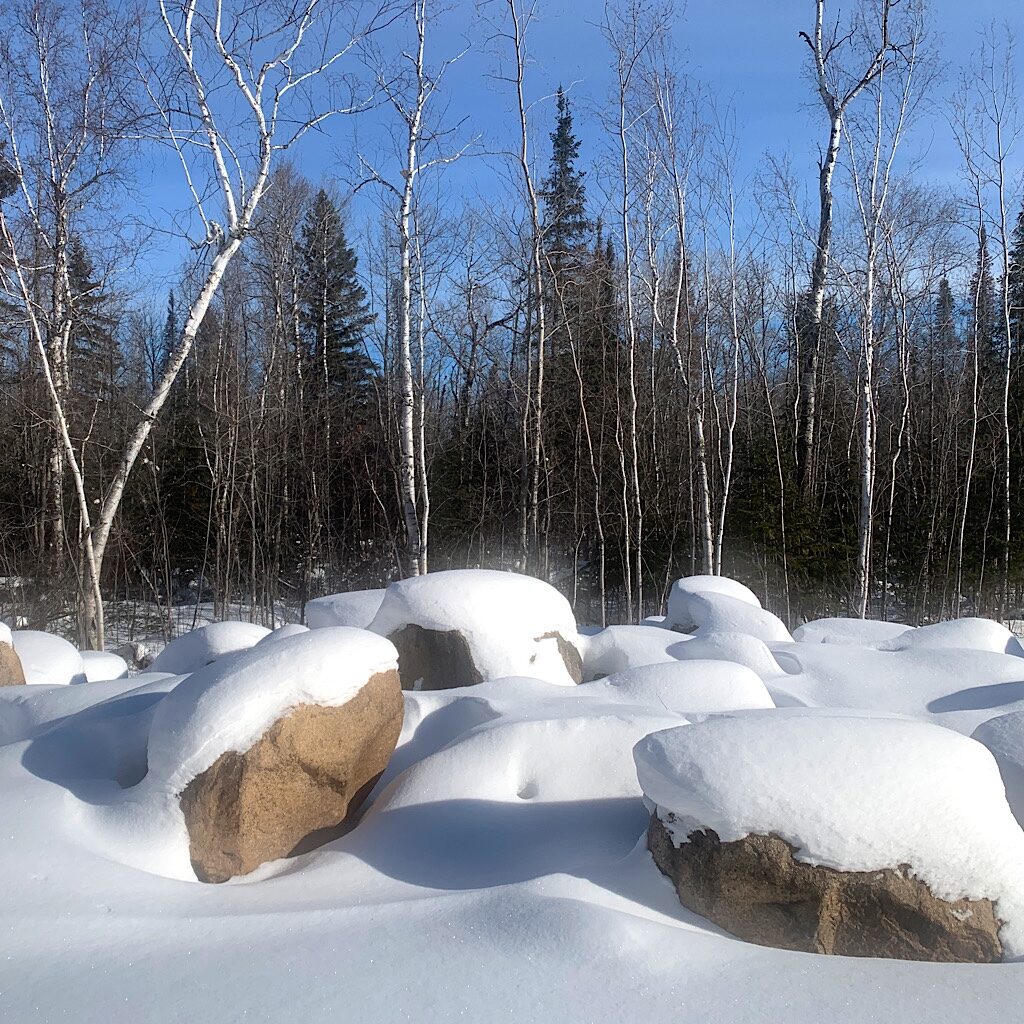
pixel 333 312
pixel 1016 283
pixel 95 356
pixel 564 192
pixel 983 305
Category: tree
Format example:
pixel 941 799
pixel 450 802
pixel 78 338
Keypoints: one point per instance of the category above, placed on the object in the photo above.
pixel 564 193
pixel 333 311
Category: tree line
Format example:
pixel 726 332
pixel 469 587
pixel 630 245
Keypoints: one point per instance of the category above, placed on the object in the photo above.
pixel 616 368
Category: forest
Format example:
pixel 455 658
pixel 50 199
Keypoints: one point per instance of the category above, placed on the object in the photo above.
pixel 616 365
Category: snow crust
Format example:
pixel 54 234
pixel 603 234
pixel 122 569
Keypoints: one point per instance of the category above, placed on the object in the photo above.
pixel 502 615
pixel 47 659
pixel 850 792
pixel 192 651
pixel 355 608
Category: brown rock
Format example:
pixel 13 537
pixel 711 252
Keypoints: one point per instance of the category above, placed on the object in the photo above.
pixel 11 672
pixel 296 786
pixel 433 659
pixel 755 889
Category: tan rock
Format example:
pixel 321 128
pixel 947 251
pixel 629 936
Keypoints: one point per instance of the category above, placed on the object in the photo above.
pixel 11 672
pixel 756 890
pixel 433 659
pixel 296 787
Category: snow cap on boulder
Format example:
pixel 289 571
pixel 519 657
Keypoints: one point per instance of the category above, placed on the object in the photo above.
pixel 619 648
pixel 706 604
pixel 355 608
pixel 200 647
pixel 47 659
pixel 464 626
pixel 963 634
pixel 103 665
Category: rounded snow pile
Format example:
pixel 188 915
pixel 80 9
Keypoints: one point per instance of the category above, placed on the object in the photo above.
pixel 48 659
pixel 692 687
pixel 857 632
pixel 103 665
pixel 962 634
pixel 716 604
pixel 202 646
pixel 618 648
pixel 270 747
pixel 464 626
pixel 355 608
pixel 838 833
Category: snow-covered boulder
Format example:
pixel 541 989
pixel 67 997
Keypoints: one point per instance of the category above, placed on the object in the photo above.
pixel 103 665
pixel 855 632
pixel 957 634
pixel 278 743
pixel 618 648
pixel 1004 737
pixel 740 648
pixel 355 608
pixel 202 646
pixel 281 633
pixel 136 653
pixel 838 834
pixel 691 687
pixel 464 626
pixel 48 659
pixel 11 672
pixel 716 604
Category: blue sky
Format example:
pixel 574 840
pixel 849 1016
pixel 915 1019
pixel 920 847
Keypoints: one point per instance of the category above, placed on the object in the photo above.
pixel 747 53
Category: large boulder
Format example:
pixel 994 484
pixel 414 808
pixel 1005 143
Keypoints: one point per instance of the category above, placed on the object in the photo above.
pixel 272 751
pixel 756 889
pixel 462 627
pixel 837 833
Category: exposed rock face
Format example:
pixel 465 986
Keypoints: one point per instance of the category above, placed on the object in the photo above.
pixel 755 889
pixel 433 659
pixel 292 789
pixel 11 672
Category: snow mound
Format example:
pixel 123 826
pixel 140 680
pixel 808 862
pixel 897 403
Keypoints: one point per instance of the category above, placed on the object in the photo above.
pixel 856 632
pixel 509 621
pixel 1004 737
pixel 690 687
pixel 288 629
pixel 618 648
pixel 726 607
pixel 678 612
pixel 228 705
pixel 103 665
pixel 5 634
pixel 193 650
pixel 740 648
pixel 965 634
pixel 355 608
pixel 48 659
pixel 854 793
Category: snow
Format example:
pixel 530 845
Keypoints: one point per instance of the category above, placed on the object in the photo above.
pixel 861 632
pixel 193 650
pixel 504 617
pixel 101 665
pixel 5 634
pixel 711 604
pixel 47 659
pixel 288 629
pixel 1004 738
pixel 965 634
pixel 850 792
pixel 618 648
pixel 356 608
pixel 690 687
pixel 500 870
pixel 678 614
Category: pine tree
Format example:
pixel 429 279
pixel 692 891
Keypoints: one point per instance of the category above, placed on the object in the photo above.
pixel 333 313
pixel 564 193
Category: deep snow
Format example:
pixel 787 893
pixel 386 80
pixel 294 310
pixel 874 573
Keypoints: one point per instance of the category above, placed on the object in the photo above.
pixel 499 871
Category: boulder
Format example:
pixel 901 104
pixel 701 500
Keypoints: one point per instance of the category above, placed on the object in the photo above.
pixel 295 786
pixel 754 888
pixel 11 672
pixel 465 626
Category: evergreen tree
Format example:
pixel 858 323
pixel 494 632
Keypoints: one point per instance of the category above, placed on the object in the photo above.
pixel 564 193
pixel 94 353
pixel 983 305
pixel 333 313
pixel 169 339
pixel 1016 283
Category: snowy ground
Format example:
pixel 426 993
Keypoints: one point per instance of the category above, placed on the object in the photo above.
pixel 500 871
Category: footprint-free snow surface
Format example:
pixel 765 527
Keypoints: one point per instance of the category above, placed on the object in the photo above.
pixel 499 872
